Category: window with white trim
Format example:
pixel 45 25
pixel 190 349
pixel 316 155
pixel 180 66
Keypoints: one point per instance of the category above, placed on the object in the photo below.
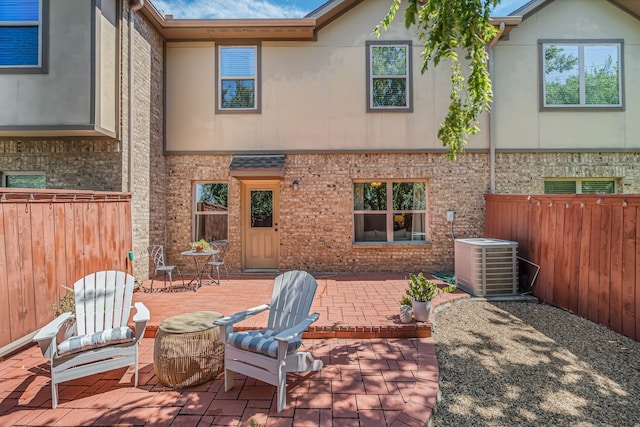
pixel 389 76
pixel 21 35
pixel 211 211
pixel 24 180
pixel 579 186
pixel 586 74
pixel 391 212
pixel 238 68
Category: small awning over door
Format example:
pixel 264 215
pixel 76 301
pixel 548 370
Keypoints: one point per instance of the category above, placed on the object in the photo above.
pixel 257 166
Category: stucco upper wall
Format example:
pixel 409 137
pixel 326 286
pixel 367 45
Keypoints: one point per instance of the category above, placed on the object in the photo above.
pixel 60 96
pixel 520 125
pixel 78 92
pixel 313 96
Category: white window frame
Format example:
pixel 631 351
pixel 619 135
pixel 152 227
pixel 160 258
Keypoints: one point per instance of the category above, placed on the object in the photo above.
pixel 7 174
pixel 197 213
pixel 580 44
pixel 41 23
pixel 255 77
pixel 408 107
pixel 389 212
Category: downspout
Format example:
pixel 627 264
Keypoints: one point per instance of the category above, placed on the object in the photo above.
pixel 133 8
pixel 492 144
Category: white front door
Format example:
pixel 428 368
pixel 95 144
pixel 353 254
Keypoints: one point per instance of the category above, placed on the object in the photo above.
pixel 261 244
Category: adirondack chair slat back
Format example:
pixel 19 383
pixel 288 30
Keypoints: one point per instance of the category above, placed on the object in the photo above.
pixel 293 293
pixel 103 301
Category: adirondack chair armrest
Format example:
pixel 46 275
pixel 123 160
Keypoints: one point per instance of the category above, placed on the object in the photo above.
pixel 240 316
pixel 293 332
pixel 141 318
pixel 51 329
pixel 45 337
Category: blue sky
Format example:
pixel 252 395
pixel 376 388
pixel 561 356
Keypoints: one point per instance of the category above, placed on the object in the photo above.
pixel 209 9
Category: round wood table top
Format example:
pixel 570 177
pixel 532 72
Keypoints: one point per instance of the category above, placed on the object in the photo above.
pixel 185 323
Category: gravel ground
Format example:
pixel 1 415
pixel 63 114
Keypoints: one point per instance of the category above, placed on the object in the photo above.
pixel 529 364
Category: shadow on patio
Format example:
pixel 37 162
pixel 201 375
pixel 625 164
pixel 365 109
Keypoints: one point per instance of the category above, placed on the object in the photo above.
pixel 377 372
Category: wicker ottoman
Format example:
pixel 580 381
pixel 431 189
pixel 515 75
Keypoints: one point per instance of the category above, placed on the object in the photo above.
pixel 188 350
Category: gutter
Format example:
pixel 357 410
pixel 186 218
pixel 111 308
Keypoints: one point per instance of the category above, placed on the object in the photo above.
pixel 133 8
pixel 492 143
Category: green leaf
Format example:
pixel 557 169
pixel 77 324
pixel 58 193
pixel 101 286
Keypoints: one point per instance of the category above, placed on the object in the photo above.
pixel 448 28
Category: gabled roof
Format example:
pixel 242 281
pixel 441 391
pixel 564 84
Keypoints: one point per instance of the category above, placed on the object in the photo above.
pixel 632 7
pixel 303 29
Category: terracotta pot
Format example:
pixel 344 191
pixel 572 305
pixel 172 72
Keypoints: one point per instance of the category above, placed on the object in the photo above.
pixel 422 310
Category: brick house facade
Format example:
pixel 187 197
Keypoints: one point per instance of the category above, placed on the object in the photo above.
pixel 325 151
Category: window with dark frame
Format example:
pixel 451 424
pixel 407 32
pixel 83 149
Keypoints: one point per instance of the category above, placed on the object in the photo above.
pixel 238 78
pixel 390 212
pixel 21 33
pixel 389 76
pixel 211 211
pixel 24 180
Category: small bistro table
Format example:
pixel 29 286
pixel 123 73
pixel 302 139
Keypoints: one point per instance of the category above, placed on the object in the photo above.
pixel 188 350
pixel 200 260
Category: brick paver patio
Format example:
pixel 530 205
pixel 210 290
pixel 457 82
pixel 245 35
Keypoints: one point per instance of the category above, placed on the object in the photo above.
pixel 377 372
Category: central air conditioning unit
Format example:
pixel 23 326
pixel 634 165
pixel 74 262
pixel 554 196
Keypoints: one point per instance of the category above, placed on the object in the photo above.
pixel 487 267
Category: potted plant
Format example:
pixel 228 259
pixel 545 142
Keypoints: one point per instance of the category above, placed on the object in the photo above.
pixel 200 246
pixel 406 311
pixel 422 291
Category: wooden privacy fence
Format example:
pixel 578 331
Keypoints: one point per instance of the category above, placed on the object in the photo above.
pixel 587 248
pixel 50 238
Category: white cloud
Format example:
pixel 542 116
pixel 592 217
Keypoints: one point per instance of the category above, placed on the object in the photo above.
pixel 215 9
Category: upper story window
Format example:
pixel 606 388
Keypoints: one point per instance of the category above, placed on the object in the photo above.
pixel 389 76
pixel 238 78
pixel 21 35
pixel 584 74
pixel 387 211
pixel 579 186
pixel 24 180
pixel 211 211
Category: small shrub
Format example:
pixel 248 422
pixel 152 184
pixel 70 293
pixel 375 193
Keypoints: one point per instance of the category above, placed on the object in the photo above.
pixel 67 303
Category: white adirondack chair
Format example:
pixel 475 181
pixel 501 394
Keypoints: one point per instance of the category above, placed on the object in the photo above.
pixel 268 355
pixel 102 340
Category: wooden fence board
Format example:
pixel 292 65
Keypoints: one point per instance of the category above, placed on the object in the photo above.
pixel 127 236
pixel 583 278
pixel 629 272
pixel 27 291
pixel 521 229
pixel 50 285
pixel 561 269
pixel 574 234
pixel 70 246
pixel 60 243
pixel 637 284
pixel 587 247
pixel 80 256
pixel 615 278
pixel 594 265
pixel 91 236
pixel 604 274
pixel 5 318
pixel 550 253
pixel 52 238
pixel 39 282
pixel 15 281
